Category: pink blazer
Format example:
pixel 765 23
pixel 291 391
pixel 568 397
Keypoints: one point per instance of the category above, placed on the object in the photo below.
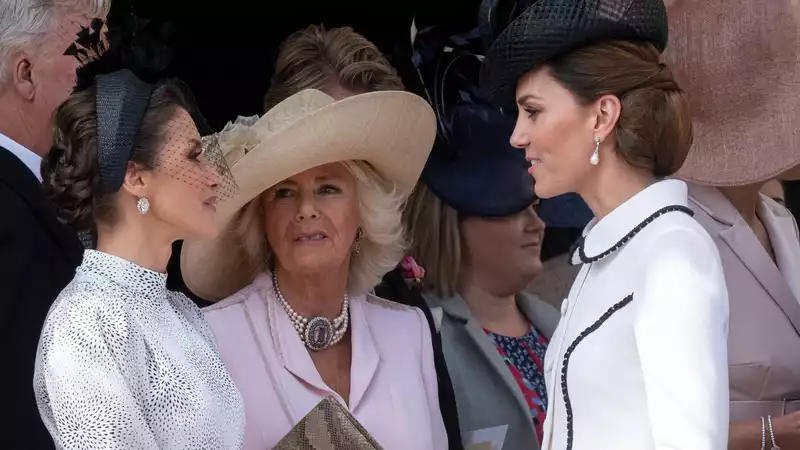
pixel 764 336
pixel 393 391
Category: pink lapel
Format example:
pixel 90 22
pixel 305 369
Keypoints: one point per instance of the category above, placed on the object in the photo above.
pixel 295 358
pixel 365 353
pixel 290 349
pixel 744 244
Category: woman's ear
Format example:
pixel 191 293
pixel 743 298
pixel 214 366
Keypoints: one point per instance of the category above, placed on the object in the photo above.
pixel 606 111
pixel 136 180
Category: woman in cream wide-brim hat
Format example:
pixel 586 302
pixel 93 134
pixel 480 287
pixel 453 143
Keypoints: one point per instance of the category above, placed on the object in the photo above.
pixel 390 131
pixel 316 224
pixel 739 61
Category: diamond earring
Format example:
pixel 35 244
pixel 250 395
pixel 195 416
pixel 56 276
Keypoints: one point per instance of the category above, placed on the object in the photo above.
pixel 595 158
pixel 143 205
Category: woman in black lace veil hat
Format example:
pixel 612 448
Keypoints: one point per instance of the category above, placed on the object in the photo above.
pixel 122 362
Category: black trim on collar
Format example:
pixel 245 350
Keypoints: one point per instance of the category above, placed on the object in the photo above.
pixel 579 244
pixel 567 404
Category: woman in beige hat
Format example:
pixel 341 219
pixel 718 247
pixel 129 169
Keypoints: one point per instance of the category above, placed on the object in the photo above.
pixel 341 63
pixel 740 62
pixel 316 224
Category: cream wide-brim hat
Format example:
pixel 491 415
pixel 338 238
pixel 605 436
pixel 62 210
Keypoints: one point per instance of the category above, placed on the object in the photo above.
pixel 739 63
pixel 393 131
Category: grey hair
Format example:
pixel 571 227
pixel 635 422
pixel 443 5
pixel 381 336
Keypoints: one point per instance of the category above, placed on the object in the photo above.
pixel 23 23
pixel 381 246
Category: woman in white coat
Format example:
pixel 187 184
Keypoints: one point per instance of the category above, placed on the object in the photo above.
pixel 639 358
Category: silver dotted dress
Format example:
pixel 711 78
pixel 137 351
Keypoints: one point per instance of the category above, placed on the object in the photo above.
pixel 123 363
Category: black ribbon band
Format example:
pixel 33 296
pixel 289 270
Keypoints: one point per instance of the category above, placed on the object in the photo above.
pixel 121 102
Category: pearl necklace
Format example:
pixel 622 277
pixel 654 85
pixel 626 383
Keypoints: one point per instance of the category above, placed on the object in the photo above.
pixel 317 333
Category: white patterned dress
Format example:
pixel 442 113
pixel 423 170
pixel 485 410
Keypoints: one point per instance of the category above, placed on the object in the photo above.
pixel 123 363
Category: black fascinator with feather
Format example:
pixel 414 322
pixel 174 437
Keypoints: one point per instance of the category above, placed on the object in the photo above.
pixel 132 61
pixel 137 44
pixel 472 168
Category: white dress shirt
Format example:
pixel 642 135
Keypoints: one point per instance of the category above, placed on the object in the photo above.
pixel 639 359
pixel 30 159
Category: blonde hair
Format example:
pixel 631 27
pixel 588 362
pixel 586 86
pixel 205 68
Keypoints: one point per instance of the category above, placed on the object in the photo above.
pixel 382 244
pixel 313 58
pixel 433 229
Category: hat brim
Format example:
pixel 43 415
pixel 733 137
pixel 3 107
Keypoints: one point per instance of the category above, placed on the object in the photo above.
pixel 742 92
pixel 393 131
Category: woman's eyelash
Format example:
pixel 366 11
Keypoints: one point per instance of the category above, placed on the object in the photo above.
pixel 531 112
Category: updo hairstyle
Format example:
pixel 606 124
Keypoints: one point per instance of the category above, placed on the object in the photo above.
pixel 654 130
pixel 70 172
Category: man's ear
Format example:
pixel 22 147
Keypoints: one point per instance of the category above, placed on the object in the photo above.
pixel 22 76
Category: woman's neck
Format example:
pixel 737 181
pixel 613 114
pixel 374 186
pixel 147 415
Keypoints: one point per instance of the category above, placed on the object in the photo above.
pixel 317 294
pixel 745 200
pixel 614 186
pixel 136 242
pixel 496 313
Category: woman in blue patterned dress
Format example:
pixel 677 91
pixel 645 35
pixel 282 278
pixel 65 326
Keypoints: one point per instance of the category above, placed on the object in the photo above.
pixel 475 230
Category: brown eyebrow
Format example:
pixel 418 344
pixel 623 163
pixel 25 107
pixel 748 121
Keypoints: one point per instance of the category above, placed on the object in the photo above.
pixel 320 179
pixel 527 97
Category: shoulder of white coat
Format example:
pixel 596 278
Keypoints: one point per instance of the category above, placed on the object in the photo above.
pixel 681 254
pixel 681 233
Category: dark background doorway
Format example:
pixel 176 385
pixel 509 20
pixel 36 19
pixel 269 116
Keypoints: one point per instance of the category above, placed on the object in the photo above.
pixel 225 49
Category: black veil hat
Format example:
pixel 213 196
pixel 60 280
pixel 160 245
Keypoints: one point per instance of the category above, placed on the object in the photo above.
pixel 472 168
pixel 130 64
pixel 549 28
pixel 125 65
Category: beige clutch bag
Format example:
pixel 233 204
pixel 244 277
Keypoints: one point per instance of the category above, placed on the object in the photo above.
pixel 329 426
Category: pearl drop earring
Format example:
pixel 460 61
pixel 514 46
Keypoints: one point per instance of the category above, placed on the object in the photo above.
pixel 595 158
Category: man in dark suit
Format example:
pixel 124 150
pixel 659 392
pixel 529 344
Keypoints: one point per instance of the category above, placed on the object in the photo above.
pixel 38 255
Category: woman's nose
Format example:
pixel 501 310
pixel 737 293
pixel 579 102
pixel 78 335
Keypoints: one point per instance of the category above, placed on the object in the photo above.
pixel 534 223
pixel 307 208
pixel 211 172
pixel 518 137
pixel 213 177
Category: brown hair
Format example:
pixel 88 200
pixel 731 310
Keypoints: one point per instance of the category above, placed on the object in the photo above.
pixel 70 172
pixel 313 58
pixel 654 130
pixel 433 228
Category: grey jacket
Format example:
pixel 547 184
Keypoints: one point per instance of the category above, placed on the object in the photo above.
pixel 486 393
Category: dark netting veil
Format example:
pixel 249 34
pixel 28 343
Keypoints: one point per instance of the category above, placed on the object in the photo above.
pixel 131 65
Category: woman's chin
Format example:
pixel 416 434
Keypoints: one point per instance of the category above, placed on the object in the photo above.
pixel 543 190
pixel 311 263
